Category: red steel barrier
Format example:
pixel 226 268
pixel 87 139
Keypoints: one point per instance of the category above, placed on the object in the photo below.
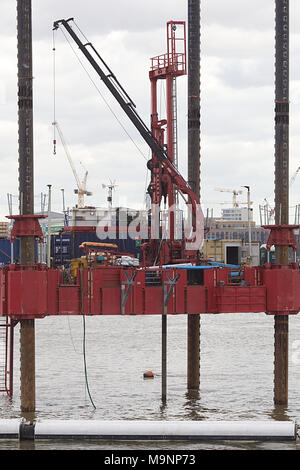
pixel 36 291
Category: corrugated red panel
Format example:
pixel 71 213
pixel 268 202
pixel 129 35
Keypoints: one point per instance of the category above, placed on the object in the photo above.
pixel 110 298
pixel 33 293
pixel 154 300
pixel 27 293
pixel 240 299
pixel 3 296
pixel 176 303
pixel 196 299
pixel 69 300
pixel 283 287
pixel 52 291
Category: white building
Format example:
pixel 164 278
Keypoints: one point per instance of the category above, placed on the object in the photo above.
pixel 237 213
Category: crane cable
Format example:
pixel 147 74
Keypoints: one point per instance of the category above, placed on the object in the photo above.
pixel 101 95
pixel 84 339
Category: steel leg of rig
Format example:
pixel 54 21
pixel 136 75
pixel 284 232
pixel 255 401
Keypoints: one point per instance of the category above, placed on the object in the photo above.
pixel 193 323
pixel 27 357
pixel 27 244
pixel 281 329
pixel 164 358
pixel 281 187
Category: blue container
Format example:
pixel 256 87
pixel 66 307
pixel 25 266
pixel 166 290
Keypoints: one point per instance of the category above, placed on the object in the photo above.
pixel 65 246
pixel 5 250
pixel 61 251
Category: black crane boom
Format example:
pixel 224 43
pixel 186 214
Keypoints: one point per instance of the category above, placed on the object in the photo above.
pixel 128 107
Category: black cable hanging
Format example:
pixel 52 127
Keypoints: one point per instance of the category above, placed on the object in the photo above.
pixel 102 96
pixel 84 340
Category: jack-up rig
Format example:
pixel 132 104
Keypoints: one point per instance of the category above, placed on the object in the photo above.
pixel 173 278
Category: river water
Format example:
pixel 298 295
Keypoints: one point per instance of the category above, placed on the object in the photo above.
pixel 236 375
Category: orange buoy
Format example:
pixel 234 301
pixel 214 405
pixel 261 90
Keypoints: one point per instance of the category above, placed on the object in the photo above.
pixel 148 375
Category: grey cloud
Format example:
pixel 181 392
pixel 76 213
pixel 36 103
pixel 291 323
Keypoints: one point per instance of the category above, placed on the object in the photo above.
pixel 100 17
pixel 252 15
pixel 245 73
pixel 237 115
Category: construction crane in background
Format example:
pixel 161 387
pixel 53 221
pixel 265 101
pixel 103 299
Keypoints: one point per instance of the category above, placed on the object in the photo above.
pixel 267 213
pixel 81 186
pixel 224 202
pixel 234 192
pixel 110 187
pixel 294 176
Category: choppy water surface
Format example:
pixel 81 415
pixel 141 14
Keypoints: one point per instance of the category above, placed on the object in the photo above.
pixel 236 375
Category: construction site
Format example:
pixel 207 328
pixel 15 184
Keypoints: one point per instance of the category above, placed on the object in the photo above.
pixel 164 257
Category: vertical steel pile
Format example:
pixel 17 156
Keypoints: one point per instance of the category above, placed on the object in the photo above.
pixel 26 199
pixel 193 353
pixel 281 324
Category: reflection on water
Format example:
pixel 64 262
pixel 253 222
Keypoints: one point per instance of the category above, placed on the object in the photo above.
pixel 280 413
pixel 236 374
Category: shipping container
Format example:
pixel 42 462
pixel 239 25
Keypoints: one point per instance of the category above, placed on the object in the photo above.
pixel 263 254
pixel 65 246
pixel 5 251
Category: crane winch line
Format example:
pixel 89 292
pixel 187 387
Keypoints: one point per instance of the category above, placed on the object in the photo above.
pixel 164 161
pixel 102 96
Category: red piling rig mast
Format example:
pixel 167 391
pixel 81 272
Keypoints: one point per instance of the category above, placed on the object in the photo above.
pixel 165 175
pixel 166 67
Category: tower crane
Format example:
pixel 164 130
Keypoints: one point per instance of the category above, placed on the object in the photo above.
pixel 234 192
pixel 269 212
pixel 81 186
pixel 110 188
pixel 294 176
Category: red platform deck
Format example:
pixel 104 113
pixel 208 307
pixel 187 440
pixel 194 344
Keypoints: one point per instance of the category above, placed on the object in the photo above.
pixel 36 291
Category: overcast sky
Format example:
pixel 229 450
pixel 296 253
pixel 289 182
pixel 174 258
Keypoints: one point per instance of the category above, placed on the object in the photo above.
pixel 237 99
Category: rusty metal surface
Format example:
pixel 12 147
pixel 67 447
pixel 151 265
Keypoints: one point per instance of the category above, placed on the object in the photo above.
pixel 282 115
pixel 281 187
pixel 194 95
pixel 26 197
pixel 25 110
pixel 193 343
pixel 281 344
pixel 164 358
pixel 27 358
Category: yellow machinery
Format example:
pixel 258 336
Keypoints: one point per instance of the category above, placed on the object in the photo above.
pixel 93 252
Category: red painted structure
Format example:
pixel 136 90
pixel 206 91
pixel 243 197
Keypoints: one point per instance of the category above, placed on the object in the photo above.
pixel 166 67
pixel 36 291
pixel 30 292
pixel 26 225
